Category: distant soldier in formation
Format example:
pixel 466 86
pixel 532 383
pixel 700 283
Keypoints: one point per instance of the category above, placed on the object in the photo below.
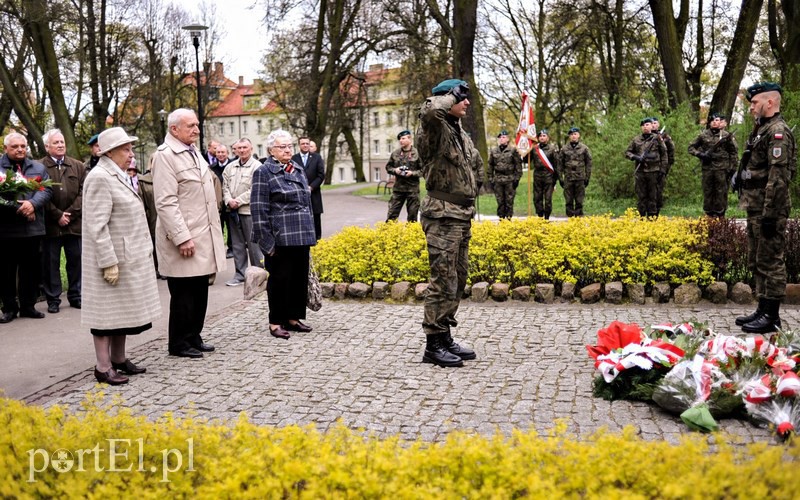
pixel 545 174
pixel 767 167
pixel 649 155
pixel 670 145
pixel 505 170
pixel 717 151
pixel 404 165
pixel 95 156
pixel 574 170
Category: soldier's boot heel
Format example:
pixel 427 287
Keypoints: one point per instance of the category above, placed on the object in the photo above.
pixel 435 353
pixel 461 351
pixel 742 320
pixel 768 321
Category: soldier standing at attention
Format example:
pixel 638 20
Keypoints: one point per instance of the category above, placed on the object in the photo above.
pixel 649 155
pixel 575 169
pixel 768 165
pixel 445 152
pixel 715 148
pixel 670 145
pixel 545 174
pixel 505 170
pixel 403 164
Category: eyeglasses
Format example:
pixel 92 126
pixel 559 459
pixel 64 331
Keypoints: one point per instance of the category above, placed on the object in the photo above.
pixel 283 146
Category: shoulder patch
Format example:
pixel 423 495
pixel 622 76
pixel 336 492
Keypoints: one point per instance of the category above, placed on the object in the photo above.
pixel 776 152
pixel 779 136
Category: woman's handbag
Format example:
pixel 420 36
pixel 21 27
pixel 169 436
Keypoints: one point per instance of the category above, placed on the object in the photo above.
pixel 314 299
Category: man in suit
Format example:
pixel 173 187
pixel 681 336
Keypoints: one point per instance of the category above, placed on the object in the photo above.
pixel 62 218
pixel 188 235
pixel 315 173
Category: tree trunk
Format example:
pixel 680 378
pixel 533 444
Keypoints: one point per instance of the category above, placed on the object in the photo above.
pixel 728 88
pixel 786 51
pixel 465 22
pixel 355 152
pixel 669 48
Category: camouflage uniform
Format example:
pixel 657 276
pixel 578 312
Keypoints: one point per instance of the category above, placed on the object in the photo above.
pixel 662 181
pixel 765 196
pixel 544 180
pixel 575 169
pixel 406 189
pixel 446 154
pixel 648 172
pixel 505 170
pixel 717 152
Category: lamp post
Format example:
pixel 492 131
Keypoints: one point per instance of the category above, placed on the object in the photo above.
pixel 162 116
pixel 196 31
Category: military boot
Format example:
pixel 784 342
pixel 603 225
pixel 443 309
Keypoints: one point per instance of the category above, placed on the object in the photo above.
pixel 741 320
pixel 437 354
pixel 462 352
pixel 768 321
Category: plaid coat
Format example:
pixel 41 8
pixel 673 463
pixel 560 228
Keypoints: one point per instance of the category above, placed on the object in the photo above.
pixel 280 204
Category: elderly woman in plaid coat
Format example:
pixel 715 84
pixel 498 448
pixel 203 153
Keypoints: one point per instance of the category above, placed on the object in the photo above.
pixel 283 227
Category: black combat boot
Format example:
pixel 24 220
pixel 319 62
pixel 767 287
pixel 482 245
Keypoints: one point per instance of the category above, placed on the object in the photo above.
pixel 741 320
pixel 437 354
pixel 547 215
pixel 462 352
pixel 768 321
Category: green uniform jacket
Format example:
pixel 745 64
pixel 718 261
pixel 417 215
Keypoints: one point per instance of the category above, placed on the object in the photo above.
pixel 575 162
pixel 720 145
pixel 773 159
pixel 405 160
pixel 505 165
pixel 552 153
pixel 445 152
pixel 652 148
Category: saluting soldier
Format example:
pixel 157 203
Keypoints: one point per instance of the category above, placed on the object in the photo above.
pixel 768 165
pixel 575 170
pixel 545 174
pixel 404 165
pixel 715 148
pixel 505 171
pixel 670 145
pixel 649 155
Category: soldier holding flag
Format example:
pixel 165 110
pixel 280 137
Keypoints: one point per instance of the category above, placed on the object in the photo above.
pixel 545 174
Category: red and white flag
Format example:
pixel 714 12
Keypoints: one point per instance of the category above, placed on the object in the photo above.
pixel 526 130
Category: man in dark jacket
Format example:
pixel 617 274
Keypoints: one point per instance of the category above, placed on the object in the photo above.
pixel 314 167
pixel 62 222
pixel 21 232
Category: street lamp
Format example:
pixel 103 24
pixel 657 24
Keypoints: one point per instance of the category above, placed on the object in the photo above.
pixel 162 115
pixel 196 31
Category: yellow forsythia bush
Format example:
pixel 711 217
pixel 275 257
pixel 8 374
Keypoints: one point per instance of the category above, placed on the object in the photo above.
pixel 196 459
pixel 525 252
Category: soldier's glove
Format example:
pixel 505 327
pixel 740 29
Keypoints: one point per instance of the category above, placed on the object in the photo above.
pixel 480 185
pixel 516 184
pixel 111 274
pixel 586 183
pixel 460 92
pixel 769 227
pixel 637 158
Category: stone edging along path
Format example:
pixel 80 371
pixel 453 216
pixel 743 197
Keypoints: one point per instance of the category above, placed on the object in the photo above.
pixel 547 293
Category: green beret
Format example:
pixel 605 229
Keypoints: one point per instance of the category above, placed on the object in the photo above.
pixel 646 120
pixel 654 119
pixel 502 133
pixel 93 140
pixel 402 133
pixel 573 129
pixel 714 116
pixel 445 86
pixel 763 87
pixel 542 132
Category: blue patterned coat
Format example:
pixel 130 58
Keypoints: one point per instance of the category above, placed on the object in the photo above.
pixel 280 204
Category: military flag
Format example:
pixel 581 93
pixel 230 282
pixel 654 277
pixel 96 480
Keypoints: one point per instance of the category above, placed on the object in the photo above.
pixel 526 130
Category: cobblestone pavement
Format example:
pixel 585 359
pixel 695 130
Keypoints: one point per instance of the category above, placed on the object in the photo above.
pixel 362 364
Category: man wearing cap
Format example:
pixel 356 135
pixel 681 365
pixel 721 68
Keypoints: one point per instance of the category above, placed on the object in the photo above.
pixel 670 145
pixel 715 148
pixel 21 232
pixel 445 152
pixel 649 155
pixel 188 234
pixel 95 157
pixel 545 174
pixel 504 172
pixel 769 162
pixel 404 165
pixel 575 170
pixel 314 168
pixel 62 218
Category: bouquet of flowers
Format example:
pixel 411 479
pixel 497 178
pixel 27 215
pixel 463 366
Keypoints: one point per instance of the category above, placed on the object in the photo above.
pixel 13 185
pixel 781 414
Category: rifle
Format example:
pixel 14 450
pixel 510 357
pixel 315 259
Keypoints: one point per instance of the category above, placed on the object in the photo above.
pixel 645 153
pixel 718 144
pixel 736 182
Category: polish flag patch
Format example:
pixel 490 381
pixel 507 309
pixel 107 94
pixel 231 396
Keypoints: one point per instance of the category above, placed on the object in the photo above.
pixel 779 136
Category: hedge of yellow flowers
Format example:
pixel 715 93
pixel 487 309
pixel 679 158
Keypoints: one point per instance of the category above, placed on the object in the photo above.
pixel 525 252
pixel 192 458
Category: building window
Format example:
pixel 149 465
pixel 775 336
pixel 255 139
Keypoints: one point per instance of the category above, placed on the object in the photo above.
pixel 260 149
pixel 377 175
pixel 258 127
pixel 244 127
pixel 389 146
pixel 341 174
pixel 400 118
pixel 354 174
pixel 376 119
pixel 388 119
pixel 377 146
pixel 271 124
pixel 230 124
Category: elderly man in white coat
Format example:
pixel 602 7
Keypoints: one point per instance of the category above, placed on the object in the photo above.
pixel 120 296
pixel 189 240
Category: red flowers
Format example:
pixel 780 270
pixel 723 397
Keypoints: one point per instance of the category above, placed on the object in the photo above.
pixel 616 336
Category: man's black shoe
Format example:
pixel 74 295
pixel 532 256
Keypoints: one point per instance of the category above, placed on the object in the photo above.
pixel 189 352
pixel 437 354
pixel 203 347
pixel 75 304
pixel 8 317
pixel 52 308
pixel 461 351
pixel 31 313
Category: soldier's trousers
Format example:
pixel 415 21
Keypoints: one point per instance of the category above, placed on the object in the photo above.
pixel 574 192
pixel 448 255
pixel 662 183
pixel 543 194
pixel 504 192
pixel 410 199
pixel 646 187
pixel 715 192
pixel 765 258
